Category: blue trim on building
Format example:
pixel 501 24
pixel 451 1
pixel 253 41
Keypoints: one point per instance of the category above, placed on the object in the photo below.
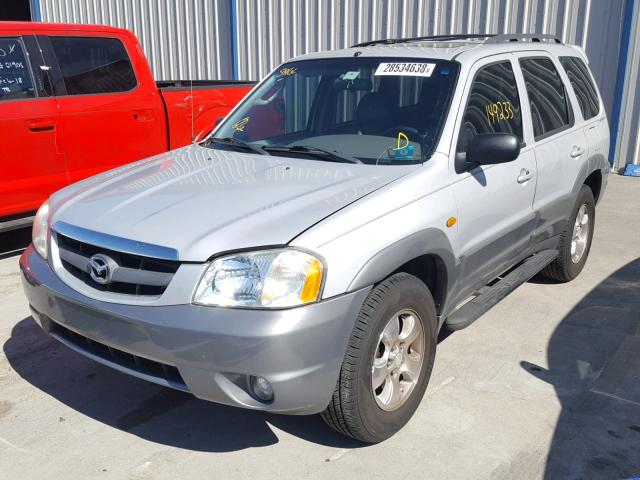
pixel 35 11
pixel 233 8
pixel 623 60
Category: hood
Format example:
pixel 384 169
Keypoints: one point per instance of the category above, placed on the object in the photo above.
pixel 201 201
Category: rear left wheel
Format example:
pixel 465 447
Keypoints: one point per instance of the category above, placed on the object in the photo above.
pixel 388 361
pixel 575 240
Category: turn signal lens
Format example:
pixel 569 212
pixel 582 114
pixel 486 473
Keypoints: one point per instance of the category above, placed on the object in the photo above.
pixel 313 282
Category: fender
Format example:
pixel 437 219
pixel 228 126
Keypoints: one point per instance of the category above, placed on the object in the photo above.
pixel 429 241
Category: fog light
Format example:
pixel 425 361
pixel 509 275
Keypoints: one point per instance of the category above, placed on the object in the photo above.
pixel 261 388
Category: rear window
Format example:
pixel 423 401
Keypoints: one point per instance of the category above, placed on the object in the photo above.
pixel 15 77
pixel 550 111
pixel 93 65
pixel 583 86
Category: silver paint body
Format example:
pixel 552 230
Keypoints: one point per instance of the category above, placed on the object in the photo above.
pixel 365 221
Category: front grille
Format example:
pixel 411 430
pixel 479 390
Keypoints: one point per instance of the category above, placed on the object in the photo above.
pixel 160 372
pixel 146 276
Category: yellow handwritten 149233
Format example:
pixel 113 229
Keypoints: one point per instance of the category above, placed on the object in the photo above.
pixel 239 126
pixel 499 111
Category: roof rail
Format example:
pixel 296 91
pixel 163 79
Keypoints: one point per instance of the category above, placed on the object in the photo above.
pixel 522 37
pixel 436 38
pixel 491 38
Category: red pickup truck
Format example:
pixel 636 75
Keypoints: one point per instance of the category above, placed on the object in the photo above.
pixel 76 100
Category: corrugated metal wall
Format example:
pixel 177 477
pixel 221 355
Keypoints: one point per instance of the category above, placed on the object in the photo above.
pixel 628 121
pixel 271 31
pixel 181 38
pixel 195 38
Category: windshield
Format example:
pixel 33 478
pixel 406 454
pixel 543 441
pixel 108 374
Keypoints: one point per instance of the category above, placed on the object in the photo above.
pixel 385 111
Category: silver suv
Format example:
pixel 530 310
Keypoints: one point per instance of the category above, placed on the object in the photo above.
pixel 304 258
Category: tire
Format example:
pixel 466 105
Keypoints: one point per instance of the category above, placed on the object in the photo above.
pixel 356 409
pixel 565 268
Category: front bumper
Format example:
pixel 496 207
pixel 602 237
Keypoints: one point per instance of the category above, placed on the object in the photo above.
pixel 214 350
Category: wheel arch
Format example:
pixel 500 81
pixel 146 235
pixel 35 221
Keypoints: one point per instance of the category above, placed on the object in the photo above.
pixel 426 254
pixel 594 182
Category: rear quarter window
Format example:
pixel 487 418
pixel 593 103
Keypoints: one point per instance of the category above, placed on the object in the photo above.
pixel 92 65
pixel 550 111
pixel 582 85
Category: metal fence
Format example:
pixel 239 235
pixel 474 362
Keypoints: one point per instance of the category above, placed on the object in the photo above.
pixel 222 39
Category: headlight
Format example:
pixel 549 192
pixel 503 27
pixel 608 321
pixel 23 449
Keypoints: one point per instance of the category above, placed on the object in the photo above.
pixel 261 279
pixel 40 230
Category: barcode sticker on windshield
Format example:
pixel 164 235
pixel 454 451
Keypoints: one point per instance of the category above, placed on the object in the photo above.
pixel 409 69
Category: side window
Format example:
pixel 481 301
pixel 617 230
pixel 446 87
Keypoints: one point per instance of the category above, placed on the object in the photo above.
pixel 583 86
pixel 548 99
pixel 93 65
pixel 493 106
pixel 15 77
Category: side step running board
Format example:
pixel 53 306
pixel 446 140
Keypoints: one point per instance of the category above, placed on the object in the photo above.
pixel 490 296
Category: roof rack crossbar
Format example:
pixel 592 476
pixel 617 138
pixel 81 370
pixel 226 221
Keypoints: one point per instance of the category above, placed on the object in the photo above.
pixel 522 37
pixel 436 38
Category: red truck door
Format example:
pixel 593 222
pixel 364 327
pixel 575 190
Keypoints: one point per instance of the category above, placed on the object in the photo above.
pixel 31 158
pixel 111 112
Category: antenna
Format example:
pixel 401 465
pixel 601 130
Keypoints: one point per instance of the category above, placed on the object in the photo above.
pixel 193 133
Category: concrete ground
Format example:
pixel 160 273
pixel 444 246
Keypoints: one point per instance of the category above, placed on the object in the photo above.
pixel 546 385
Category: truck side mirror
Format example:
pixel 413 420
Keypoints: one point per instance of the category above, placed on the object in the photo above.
pixel 488 149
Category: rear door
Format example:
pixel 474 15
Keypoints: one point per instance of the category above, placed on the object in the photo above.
pixel 590 108
pixel 31 156
pixel 495 215
pixel 559 142
pixel 110 116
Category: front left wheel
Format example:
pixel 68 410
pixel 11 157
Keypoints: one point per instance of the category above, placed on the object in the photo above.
pixel 388 361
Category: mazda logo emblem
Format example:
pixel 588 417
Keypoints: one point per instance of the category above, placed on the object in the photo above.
pixel 101 268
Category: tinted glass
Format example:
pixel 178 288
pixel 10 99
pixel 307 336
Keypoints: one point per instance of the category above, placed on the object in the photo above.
pixel 547 96
pixel 15 78
pixel 493 106
pixel 582 85
pixel 405 92
pixel 380 111
pixel 93 65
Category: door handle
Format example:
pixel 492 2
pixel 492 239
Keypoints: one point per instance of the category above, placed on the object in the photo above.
pixel 576 151
pixel 525 176
pixel 143 115
pixel 43 125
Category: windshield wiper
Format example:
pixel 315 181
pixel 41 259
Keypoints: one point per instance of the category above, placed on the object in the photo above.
pixel 313 152
pixel 234 142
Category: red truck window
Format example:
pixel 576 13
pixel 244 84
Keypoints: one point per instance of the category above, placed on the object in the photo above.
pixel 92 65
pixel 15 78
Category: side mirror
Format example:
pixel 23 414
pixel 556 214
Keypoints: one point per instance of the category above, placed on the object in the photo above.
pixel 488 149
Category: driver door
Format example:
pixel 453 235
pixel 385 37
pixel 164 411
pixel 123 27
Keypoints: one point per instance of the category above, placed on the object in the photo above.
pixel 495 202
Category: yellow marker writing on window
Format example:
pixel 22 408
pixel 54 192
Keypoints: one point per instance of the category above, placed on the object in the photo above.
pixel 499 111
pixel 239 126
pixel 288 71
pixel 402 136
